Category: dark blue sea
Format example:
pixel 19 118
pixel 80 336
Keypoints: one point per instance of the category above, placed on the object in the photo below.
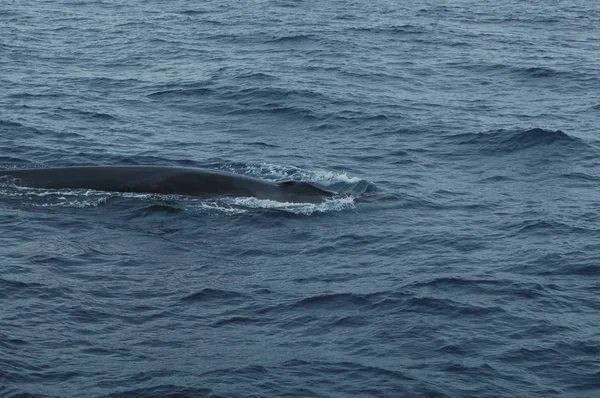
pixel 460 257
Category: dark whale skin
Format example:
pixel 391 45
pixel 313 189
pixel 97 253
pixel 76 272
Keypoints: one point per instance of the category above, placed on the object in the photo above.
pixel 167 180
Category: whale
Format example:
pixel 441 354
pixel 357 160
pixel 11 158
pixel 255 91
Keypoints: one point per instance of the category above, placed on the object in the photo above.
pixel 205 183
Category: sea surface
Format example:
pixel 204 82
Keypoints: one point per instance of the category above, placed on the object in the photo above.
pixel 460 258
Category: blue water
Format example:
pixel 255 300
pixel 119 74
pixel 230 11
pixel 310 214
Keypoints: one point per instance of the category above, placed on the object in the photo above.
pixel 461 257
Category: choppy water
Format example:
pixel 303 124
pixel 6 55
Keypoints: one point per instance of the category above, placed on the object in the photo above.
pixel 462 258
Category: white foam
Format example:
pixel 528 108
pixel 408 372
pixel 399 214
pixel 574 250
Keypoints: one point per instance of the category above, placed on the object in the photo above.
pixel 335 204
pixel 79 204
pixel 331 177
pixel 276 172
pixel 204 206
pixel 266 170
pixel 76 198
pixel 230 206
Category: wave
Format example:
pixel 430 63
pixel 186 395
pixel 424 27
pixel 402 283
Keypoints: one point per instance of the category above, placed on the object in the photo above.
pixel 102 83
pixel 535 137
pixel 235 93
pixel 209 294
pixel 580 178
pixel 272 93
pixel 165 390
pixel 88 114
pixel 494 179
pixel 9 287
pixel 522 71
pixel 392 29
pixel 386 301
pixel 548 228
pixel 235 320
pixel 503 141
pixel 531 74
pixel 442 306
pixel 158 208
pixel 15 129
pixel 539 72
pixel 229 100
pixel 495 287
pixel 50 95
pixel 294 39
pixel 341 300
pixel 350 369
pixel 526 18
pixel 558 264
pixel 194 12
pixel 289 112
pixel 188 92
pixel 257 76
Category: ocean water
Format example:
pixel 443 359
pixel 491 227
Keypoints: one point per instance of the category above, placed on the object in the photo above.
pixel 461 257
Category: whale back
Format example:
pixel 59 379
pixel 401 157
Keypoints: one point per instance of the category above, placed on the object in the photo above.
pixel 299 191
pixel 167 180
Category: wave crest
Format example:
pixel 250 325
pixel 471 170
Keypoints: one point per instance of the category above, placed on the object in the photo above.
pixel 503 141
